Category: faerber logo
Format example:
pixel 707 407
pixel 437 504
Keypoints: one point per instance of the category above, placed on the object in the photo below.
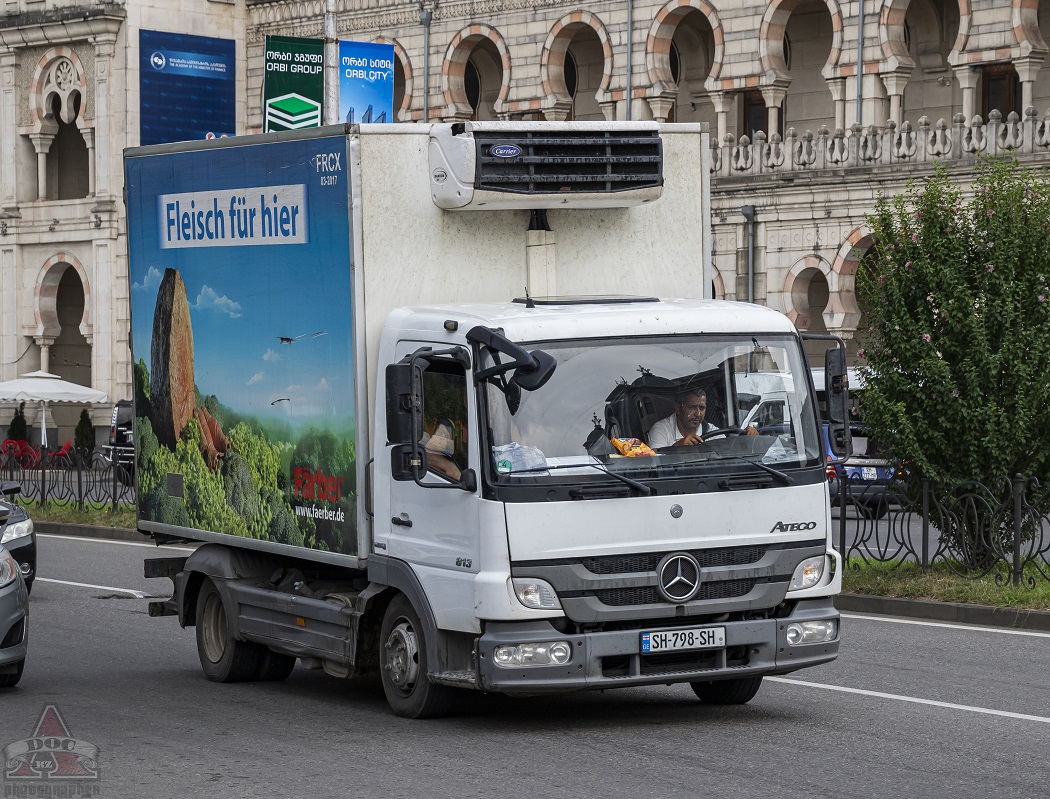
pixel 792 527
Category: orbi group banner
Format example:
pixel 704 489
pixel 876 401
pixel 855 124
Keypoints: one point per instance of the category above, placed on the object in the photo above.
pixel 293 85
pixel 366 82
pixel 187 87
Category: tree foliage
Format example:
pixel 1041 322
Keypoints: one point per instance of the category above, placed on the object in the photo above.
pixel 959 337
pixel 84 435
pixel 18 430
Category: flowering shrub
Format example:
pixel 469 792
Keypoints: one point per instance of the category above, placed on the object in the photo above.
pixel 958 348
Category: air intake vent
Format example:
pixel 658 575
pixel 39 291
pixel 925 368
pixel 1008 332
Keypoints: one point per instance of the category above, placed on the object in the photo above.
pixel 568 162
pixel 523 165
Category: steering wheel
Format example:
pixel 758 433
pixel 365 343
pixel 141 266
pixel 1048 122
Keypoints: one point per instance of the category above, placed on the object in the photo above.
pixel 723 431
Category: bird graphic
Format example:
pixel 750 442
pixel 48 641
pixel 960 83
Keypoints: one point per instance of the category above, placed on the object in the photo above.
pixel 281 399
pixel 290 339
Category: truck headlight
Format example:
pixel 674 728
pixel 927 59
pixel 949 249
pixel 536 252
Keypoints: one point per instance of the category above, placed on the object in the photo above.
pixel 8 568
pixel 537 594
pixel 17 530
pixel 810 632
pixel 807 573
pixel 553 653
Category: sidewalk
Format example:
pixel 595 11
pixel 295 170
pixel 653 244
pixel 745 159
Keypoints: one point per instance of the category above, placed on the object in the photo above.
pixel 952 612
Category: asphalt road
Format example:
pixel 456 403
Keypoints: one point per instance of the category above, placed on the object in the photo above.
pixel 910 709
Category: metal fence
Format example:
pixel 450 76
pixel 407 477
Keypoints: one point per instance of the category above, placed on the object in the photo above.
pixel 977 531
pixel 70 479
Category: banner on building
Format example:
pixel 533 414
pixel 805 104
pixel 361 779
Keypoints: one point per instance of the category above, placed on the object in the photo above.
pixel 187 87
pixel 293 84
pixel 366 82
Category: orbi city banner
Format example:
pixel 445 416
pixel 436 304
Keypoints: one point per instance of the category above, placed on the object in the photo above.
pixel 293 85
pixel 186 87
pixel 366 82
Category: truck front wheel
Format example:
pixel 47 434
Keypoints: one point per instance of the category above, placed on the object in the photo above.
pixel 223 659
pixel 727 692
pixel 403 665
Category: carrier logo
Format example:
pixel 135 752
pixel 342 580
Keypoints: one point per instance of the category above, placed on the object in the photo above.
pixel 505 151
pixel 792 527
pixel 678 577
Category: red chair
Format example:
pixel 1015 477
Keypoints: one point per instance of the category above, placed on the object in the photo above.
pixel 63 455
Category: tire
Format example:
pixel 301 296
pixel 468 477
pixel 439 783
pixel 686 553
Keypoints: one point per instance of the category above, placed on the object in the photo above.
pixel 29 585
pixel 11 680
pixel 223 659
pixel 403 665
pixel 275 666
pixel 873 509
pixel 727 692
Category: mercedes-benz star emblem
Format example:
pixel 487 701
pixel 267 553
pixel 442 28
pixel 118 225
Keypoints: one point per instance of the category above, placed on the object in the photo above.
pixel 678 577
pixel 676 511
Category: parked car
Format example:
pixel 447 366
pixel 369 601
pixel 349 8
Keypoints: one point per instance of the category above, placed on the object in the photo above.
pixel 121 448
pixel 17 533
pixel 14 620
pixel 868 471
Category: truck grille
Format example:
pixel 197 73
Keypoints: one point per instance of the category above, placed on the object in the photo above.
pixel 707 558
pixel 552 162
pixel 648 595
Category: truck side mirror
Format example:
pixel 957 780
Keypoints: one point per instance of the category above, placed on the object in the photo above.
pixel 408 462
pixel 404 401
pixel 836 385
pixel 836 390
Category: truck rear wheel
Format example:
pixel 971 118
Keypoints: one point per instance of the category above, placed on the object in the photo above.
pixel 727 692
pixel 223 659
pixel 403 665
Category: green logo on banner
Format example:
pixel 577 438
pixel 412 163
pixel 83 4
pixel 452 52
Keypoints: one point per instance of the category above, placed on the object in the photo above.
pixel 293 86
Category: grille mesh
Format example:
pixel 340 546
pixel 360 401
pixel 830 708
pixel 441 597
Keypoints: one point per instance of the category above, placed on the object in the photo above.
pixel 707 558
pixel 568 162
pixel 723 589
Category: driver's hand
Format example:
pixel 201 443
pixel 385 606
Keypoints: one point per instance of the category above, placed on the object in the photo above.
pixel 751 431
pixel 689 440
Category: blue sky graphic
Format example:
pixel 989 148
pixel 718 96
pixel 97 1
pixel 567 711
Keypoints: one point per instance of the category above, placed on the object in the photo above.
pixel 271 324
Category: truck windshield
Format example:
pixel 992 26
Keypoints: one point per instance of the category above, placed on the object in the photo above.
pixel 658 407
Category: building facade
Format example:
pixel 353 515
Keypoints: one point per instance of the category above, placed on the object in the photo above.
pixel 814 107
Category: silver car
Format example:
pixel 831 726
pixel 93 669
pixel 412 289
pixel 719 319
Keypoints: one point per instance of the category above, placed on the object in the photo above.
pixel 14 620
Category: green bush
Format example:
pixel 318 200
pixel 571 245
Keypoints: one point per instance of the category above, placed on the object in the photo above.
pixel 84 435
pixel 17 430
pixel 959 333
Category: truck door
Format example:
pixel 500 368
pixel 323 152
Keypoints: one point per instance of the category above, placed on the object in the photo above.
pixel 434 526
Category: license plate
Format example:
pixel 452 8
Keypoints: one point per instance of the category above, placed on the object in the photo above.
pixel 689 638
pixel 869 473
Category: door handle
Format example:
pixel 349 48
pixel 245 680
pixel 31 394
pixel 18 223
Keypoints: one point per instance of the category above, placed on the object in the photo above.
pixel 401 521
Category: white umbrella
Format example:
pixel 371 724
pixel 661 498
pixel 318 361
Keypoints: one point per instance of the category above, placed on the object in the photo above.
pixel 44 387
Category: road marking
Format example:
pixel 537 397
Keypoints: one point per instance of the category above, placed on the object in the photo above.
pixel 914 699
pixel 946 625
pixel 113 541
pixel 136 594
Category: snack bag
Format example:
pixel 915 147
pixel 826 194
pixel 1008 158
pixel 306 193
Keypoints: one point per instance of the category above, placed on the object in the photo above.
pixel 632 447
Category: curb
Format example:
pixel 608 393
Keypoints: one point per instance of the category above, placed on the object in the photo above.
pixel 957 612
pixel 90 531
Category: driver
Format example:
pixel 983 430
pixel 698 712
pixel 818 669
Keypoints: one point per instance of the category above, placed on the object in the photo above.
pixel 686 425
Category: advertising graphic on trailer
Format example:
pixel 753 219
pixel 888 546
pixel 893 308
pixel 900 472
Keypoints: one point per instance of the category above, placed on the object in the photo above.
pixel 242 340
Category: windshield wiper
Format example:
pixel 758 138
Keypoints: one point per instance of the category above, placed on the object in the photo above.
pixel 641 488
pixel 782 477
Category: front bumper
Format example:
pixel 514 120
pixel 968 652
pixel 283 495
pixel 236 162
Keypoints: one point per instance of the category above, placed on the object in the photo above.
pixel 23 550
pixel 14 624
pixel 602 660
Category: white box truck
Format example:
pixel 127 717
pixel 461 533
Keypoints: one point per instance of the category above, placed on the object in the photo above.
pixel 398 382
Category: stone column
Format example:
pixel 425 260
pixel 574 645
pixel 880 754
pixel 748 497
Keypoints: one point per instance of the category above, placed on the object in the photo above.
pixel 837 88
pixel 774 96
pixel 8 129
pixel 721 101
pixel 45 345
pixel 41 143
pixel 967 77
pixel 105 48
pixel 895 83
pixel 89 142
pixel 1027 69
